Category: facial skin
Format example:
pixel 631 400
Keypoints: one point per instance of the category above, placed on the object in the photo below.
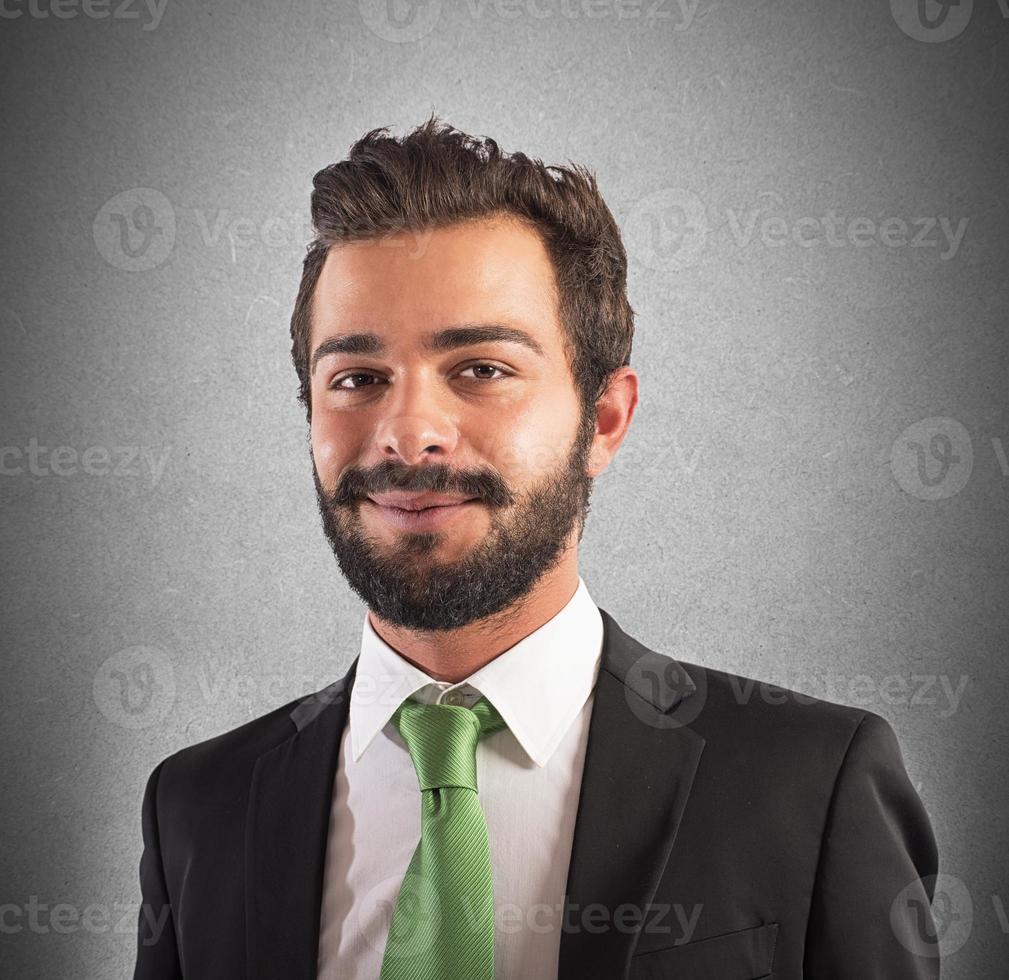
pixel 493 419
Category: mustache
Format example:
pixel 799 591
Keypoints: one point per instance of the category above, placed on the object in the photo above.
pixel 357 484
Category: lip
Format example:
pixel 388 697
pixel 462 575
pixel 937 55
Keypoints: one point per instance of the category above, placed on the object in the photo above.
pixel 405 500
pixel 420 520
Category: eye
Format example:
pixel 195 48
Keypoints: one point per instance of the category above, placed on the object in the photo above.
pixel 337 382
pixel 484 366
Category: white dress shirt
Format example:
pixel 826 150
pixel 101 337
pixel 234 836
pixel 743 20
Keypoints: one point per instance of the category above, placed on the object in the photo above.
pixel 528 774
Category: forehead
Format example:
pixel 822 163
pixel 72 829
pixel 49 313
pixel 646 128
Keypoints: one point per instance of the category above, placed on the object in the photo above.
pixel 487 270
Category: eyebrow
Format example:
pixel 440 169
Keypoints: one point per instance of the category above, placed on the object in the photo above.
pixel 451 338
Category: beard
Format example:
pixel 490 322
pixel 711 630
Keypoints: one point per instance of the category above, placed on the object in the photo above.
pixel 406 586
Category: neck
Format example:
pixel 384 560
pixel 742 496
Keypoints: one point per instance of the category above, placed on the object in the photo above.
pixel 455 655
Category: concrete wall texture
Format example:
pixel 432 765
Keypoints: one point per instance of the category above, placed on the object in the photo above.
pixel 815 490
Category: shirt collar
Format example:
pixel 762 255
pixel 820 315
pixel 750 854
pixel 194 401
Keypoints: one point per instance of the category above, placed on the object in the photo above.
pixel 538 685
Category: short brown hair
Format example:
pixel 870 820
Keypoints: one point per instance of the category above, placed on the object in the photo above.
pixel 437 176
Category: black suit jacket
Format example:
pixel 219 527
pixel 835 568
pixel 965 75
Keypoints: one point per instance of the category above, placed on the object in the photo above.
pixel 724 832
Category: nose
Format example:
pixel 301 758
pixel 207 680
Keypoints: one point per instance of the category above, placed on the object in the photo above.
pixel 415 428
pixel 413 439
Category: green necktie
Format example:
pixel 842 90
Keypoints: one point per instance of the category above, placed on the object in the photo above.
pixel 442 927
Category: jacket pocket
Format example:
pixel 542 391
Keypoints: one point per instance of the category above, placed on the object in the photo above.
pixel 744 955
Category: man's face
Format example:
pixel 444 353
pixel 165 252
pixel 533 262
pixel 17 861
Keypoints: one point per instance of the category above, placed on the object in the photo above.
pixel 491 421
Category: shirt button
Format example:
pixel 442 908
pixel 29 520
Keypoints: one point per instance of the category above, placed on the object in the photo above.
pixel 453 697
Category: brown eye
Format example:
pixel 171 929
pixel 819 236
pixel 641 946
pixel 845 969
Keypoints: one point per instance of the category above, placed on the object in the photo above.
pixel 492 367
pixel 337 383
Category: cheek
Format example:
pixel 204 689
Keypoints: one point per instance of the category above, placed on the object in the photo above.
pixel 328 450
pixel 528 446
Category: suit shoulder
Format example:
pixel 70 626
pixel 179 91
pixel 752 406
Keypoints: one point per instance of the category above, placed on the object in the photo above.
pixel 770 713
pixel 230 757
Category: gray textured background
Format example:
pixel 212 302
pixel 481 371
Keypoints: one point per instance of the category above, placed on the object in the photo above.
pixel 767 515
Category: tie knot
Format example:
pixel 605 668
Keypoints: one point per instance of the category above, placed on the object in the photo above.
pixel 442 740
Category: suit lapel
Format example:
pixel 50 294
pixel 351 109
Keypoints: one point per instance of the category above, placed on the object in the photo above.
pixel 639 766
pixel 290 800
pixel 640 761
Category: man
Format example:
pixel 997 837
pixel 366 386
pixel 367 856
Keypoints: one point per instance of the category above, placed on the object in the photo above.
pixel 505 783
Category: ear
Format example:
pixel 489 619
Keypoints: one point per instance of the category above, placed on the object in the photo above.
pixel 614 411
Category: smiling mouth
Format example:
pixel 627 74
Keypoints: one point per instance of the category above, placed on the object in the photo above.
pixel 407 504
pixel 419 520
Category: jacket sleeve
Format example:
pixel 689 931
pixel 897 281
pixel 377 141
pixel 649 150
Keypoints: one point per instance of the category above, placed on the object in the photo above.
pixel 870 915
pixel 157 953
